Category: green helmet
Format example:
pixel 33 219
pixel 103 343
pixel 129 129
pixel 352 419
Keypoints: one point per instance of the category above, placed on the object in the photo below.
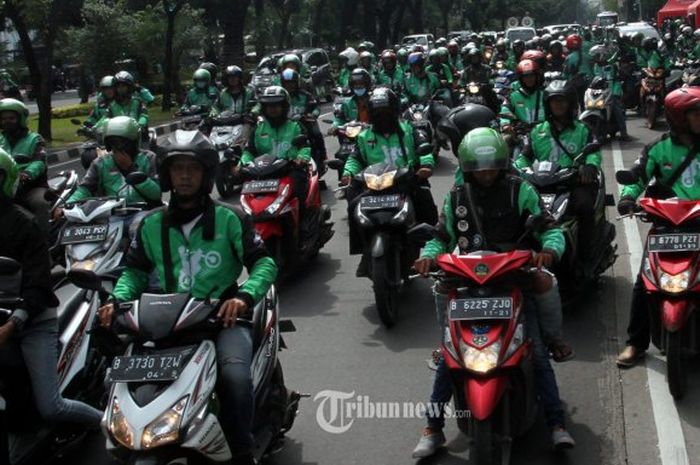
pixel 483 149
pixel 124 127
pixel 201 75
pixel 107 81
pixel 9 175
pixel 290 58
pixel 10 104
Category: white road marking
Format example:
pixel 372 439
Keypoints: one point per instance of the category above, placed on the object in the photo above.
pixel 669 430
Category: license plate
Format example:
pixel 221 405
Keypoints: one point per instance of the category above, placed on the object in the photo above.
pixel 260 187
pixel 154 367
pixel 87 233
pixel 548 200
pixel 674 242
pixel 380 202
pixel 497 308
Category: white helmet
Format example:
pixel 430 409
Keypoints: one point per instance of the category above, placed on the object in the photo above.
pixel 351 55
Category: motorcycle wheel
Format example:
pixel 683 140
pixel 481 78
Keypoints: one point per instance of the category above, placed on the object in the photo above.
pixel 224 188
pixel 385 295
pixel 484 448
pixel 675 372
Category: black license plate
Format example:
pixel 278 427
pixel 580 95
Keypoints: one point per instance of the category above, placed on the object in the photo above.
pixel 86 233
pixel 380 202
pixel 261 187
pixel 674 242
pixel 497 308
pixel 150 367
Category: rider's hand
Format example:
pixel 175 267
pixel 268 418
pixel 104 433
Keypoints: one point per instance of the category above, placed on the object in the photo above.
pixel 423 265
pixel 122 159
pixel 544 259
pixel 24 176
pixel 345 180
pixel 626 205
pixel 57 213
pixel 424 173
pixel 587 174
pixel 230 310
pixel 6 331
pixel 106 314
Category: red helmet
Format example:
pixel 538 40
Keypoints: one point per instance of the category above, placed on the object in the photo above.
pixel 677 103
pixel 573 42
pixel 389 55
pixel 535 55
pixel 526 67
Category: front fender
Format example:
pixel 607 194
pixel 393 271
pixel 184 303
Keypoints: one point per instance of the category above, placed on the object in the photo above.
pixel 674 314
pixel 590 113
pixel 378 248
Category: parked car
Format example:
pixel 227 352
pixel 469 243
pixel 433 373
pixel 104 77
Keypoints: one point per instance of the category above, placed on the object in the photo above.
pixel 644 28
pixel 520 33
pixel 425 40
pixel 462 36
pixel 558 29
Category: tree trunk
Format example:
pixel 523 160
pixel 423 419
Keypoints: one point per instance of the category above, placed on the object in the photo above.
pixel 285 17
pixel 346 18
pixel 259 34
pixel 233 24
pixel 168 68
pixel 417 11
pixel 318 22
pixel 397 24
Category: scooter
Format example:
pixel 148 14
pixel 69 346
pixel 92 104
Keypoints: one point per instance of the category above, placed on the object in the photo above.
pixel 229 134
pixel 162 407
pixel 598 115
pixel 192 116
pixel 60 189
pixel 486 347
pixel 347 140
pixel 670 275
pixel 268 197
pixel 652 94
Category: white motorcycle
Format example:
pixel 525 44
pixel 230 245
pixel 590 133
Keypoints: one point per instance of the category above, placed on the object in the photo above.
pixel 229 134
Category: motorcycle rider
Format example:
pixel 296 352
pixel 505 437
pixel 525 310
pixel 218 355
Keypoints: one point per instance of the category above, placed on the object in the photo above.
pixel 574 70
pixel 518 49
pixel 606 67
pixel 556 57
pixel 195 222
pixel 420 84
pixel 390 75
pixel 202 93
pixel 126 103
pixel 16 139
pixel 365 62
pixel 439 69
pixel 389 140
pixel 455 58
pixel 213 72
pixel 483 157
pixel 525 103
pixel 102 101
pixel 673 162
pixel 354 108
pixel 648 55
pixel 474 69
pixel 34 327
pixel 235 96
pixel 558 140
pixel 402 59
pixel 303 108
pixel 500 53
pixel 347 62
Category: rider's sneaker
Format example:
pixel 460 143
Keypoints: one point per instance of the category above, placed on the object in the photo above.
pixel 429 443
pixel 561 439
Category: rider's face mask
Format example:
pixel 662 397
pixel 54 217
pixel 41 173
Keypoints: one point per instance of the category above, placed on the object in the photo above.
pixel 359 91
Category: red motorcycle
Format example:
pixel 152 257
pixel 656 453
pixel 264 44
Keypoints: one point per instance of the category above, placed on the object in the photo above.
pixel 672 281
pixel 486 349
pixel 268 196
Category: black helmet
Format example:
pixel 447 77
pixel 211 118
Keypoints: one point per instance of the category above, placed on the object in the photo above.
pixel 124 77
pixel 211 67
pixel 475 52
pixel 649 44
pixel 232 71
pixel 459 121
pixel 361 75
pixel 519 44
pixel 560 88
pixel 383 98
pixel 192 144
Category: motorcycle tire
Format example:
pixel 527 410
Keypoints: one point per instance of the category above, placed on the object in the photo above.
pixel 385 294
pixel 650 113
pixel 223 186
pixel 484 448
pixel 676 375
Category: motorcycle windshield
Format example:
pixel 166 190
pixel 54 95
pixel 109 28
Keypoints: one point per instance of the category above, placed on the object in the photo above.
pixel 267 166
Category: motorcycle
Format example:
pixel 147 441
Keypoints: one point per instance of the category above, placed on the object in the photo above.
pixel 554 184
pixel 60 188
pixel 384 211
pixel 268 196
pixel 652 94
pixel 310 126
pixel 347 141
pixel 598 115
pixel 229 134
pixel 162 405
pixel 94 146
pixel 192 116
pixel 670 275
pixel 480 94
pixel 486 348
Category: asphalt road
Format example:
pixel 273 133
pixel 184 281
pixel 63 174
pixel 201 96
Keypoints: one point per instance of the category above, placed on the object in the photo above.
pixel 617 417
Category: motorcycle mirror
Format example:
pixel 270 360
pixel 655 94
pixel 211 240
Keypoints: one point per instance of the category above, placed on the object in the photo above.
pixel 626 177
pixel 85 279
pixel 9 266
pixel 76 122
pixel 135 178
pixel 300 141
pixel 590 148
pixel 421 233
pixel 335 164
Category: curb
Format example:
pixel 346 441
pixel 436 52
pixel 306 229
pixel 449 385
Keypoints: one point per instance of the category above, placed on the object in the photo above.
pixel 65 155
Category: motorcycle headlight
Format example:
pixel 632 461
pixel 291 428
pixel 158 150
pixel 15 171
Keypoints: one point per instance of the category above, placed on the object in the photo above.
pixel 418 116
pixel 674 283
pixel 600 104
pixel 590 104
pixel 480 360
pixel 378 183
pixel 277 203
pixel 353 131
pixel 119 427
pixel 516 342
pixel 474 89
pixel 166 428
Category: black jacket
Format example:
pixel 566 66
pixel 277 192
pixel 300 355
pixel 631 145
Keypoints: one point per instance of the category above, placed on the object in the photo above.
pixel 22 240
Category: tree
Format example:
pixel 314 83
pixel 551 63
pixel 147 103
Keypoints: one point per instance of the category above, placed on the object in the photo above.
pixel 171 9
pixel 230 15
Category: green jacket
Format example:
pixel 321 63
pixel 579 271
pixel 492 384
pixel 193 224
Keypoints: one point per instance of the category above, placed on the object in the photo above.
pixel 104 178
pixel 344 78
pixel 649 59
pixel 348 112
pixel 303 103
pixel 586 67
pixel 100 110
pixel 207 263
pixel 573 65
pixel 609 72
pixel 393 80
pixel 528 202
pixel 275 141
pixel 375 148
pixel 543 146
pixel 421 90
pixel 145 95
pixel 528 108
pixel 659 161
pixel 456 62
pixel 203 97
pixel 134 108
pixel 443 71
pixel 241 103
pixel 31 145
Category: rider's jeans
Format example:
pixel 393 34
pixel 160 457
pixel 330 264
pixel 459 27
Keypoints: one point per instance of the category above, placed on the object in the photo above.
pixel 638 330
pixel 618 110
pixel 39 345
pixel 234 350
pixel 546 382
